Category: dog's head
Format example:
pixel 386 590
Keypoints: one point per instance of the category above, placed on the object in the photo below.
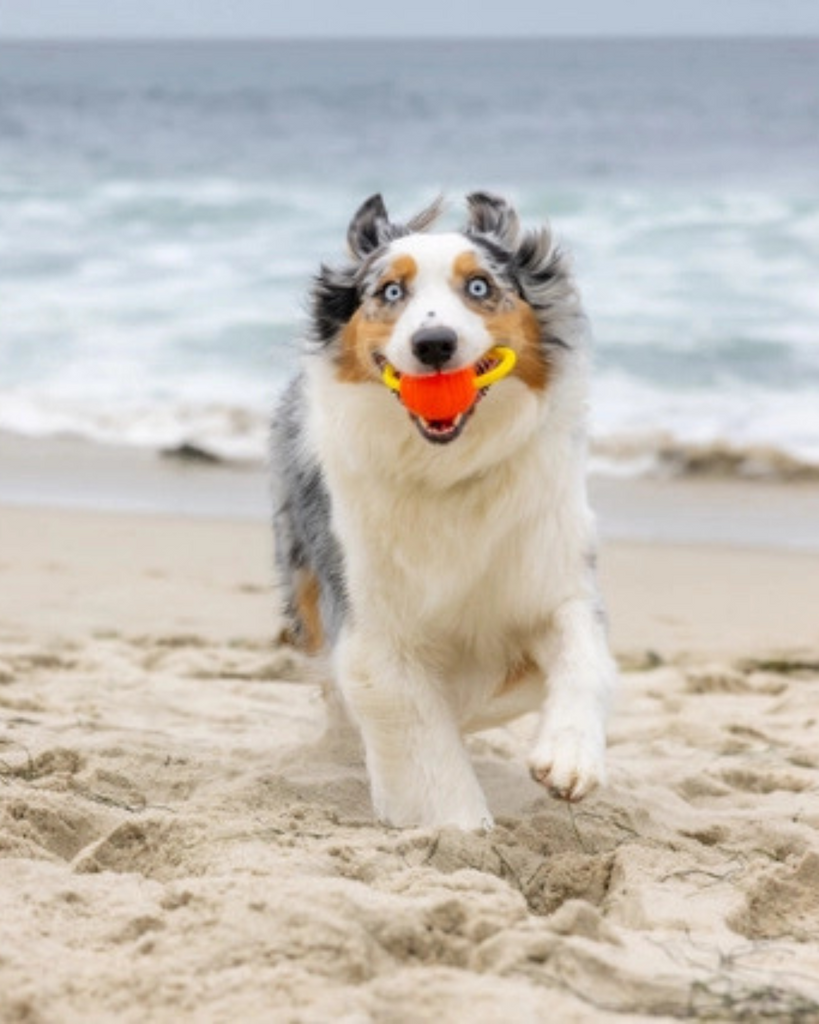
pixel 432 303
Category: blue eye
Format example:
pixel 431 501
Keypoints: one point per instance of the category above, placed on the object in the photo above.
pixel 477 287
pixel 393 292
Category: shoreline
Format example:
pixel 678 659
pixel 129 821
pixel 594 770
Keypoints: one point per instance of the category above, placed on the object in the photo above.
pixel 70 473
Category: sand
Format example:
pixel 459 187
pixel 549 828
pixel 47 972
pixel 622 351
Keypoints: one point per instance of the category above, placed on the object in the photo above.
pixel 178 842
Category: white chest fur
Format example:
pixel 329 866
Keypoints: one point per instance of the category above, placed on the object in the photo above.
pixel 461 551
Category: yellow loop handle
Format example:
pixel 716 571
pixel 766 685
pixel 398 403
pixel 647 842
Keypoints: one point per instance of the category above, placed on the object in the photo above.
pixel 503 369
pixel 391 378
pixel 507 362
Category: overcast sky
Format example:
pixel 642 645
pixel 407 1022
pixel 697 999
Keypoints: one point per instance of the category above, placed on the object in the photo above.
pixel 260 18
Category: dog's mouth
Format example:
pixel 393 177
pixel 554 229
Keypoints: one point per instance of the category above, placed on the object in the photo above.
pixel 444 431
pixel 441 431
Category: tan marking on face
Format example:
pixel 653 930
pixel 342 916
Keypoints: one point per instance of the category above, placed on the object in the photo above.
pixel 509 320
pixel 465 266
pixel 517 674
pixel 370 328
pixel 515 325
pixel 308 593
pixel 402 269
pixel 363 335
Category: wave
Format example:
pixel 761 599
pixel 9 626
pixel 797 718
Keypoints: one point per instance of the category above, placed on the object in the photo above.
pixel 227 433
pixel 665 456
pixel 215 432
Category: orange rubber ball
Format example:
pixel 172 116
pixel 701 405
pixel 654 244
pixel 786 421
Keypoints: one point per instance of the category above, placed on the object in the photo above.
pixel 440 396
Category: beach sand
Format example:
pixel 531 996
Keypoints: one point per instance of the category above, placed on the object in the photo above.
pixel 180 843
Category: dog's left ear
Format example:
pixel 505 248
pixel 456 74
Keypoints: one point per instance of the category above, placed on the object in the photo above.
pixel 490 215
pixel 370 228
pixel 534 263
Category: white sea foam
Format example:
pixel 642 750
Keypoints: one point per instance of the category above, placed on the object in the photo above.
pixel 170 331
pixel 164 227
pixel 234 433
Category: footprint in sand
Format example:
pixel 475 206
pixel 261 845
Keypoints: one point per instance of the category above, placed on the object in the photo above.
pixel 782 902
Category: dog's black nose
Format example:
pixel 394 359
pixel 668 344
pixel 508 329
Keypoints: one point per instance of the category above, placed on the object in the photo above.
pixel 434 346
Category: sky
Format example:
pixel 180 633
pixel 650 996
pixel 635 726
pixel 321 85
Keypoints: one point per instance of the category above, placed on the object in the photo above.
pixel 431 18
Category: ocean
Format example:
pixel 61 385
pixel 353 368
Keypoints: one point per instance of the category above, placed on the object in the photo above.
pixel 164 205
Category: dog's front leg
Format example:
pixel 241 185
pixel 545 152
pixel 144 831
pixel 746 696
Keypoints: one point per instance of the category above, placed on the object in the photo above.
pixel 420 773
pixel 568 756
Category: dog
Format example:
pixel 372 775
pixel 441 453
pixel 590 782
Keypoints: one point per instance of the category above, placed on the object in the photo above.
pixel 445 568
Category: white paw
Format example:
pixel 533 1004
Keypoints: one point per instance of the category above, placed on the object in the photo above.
pixel 483 822
pixel 568 762
pixel 471 816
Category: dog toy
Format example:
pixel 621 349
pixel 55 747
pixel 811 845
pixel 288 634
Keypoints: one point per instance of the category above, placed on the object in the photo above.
pixel 443 396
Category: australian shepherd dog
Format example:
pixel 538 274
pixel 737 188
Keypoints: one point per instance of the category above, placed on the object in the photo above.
pixel 444 567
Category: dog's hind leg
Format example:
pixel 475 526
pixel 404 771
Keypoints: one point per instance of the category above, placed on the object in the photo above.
pixel 420 772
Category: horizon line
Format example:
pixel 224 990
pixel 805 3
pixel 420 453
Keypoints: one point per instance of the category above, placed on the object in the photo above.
pixel 639 36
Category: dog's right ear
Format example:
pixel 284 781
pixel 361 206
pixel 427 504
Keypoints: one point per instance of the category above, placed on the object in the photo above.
pixel 370 227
